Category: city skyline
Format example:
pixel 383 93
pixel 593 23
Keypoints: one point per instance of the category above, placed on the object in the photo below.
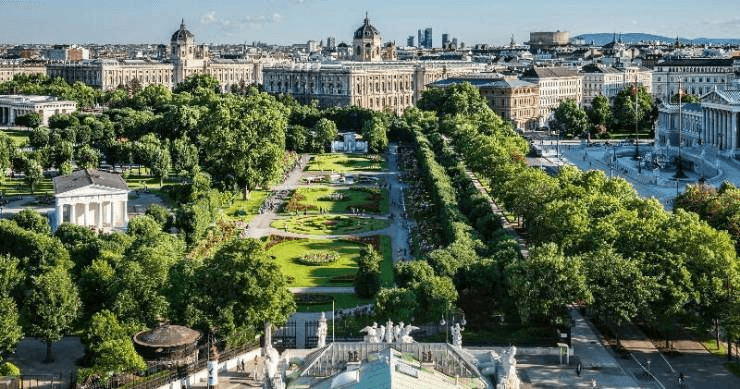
pixel 296 21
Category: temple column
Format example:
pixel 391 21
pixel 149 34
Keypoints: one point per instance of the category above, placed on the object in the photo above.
pixel 84 214
pixel 60 216
pixel 100 214
pixel 733 132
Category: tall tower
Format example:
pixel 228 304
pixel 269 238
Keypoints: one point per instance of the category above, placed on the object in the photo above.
pixel 182 51
pixel 367 42
pixel 428 37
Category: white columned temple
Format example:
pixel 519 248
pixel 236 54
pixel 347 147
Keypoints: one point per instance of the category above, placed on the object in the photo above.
pixel 91 198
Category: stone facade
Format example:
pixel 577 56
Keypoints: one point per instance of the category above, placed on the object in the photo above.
pixel 599 80
pixel 367 43
pixel 713 123
pixel 696 76
pixel 186 59
pixel 10 69
pixel 376 86
pixel 12 106
pixel 513 100
pixel 556 84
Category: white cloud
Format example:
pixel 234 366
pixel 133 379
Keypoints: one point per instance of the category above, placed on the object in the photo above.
pixel 233 25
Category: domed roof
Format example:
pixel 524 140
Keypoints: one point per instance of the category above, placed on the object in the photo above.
pixel 366 30
pixel 168 335
pixel 182 33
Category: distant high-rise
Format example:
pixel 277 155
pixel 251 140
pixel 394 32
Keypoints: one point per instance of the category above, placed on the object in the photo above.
pixel 445 41
pixel 420 40
pixel 331 43
pixel 410 41
pixel 428 37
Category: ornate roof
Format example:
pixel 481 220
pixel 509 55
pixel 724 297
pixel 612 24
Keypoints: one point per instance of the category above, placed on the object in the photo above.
pixel 366 30
pixel 182 33
pixel 168 335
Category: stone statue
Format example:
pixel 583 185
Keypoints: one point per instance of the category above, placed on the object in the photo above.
pixel 397 331
pixel 389 331
pixel 321 331
pixel 373 333
pixel 272 357
pixel 405 333
pixel 456 335
pixel 509 378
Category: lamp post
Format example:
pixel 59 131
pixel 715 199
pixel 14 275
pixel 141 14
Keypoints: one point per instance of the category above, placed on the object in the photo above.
pixel 636 94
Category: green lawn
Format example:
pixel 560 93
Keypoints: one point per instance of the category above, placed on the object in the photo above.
pixel 287 254
pixel 16 187
pixel 343 163
pixel 19 137
pixel 341 301
pixel 245 210
pixel 329 225
pixel 314 198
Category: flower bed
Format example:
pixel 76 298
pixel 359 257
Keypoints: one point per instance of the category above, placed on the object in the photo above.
pixel 318 259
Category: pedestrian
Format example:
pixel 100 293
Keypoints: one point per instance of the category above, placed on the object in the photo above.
pixel 578 369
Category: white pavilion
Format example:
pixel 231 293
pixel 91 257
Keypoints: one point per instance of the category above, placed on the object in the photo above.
pixel 91 198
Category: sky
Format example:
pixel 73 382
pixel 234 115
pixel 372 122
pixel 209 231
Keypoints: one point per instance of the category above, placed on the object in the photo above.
pixel 297 21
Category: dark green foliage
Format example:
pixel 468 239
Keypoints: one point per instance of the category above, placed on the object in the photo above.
pixel 32 120
pixel 33 221
pixel 368 278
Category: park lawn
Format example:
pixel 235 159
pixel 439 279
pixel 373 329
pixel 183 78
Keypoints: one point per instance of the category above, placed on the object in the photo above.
pixel 19 137
pixel 341 301
pixel 314 198
pixel 343 163
pixel 329 225
pixel 288 253
pixel 245 210
pixel 17 187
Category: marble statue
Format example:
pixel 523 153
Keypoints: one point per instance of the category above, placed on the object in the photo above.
pixel 456 335
pixel 322 330
pixel 405 334
pixel 389 331
pixel 374 333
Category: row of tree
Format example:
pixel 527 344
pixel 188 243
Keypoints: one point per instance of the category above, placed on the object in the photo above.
pixel 595 240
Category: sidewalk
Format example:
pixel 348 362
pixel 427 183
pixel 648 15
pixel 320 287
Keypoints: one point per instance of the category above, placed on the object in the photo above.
pixel 597 361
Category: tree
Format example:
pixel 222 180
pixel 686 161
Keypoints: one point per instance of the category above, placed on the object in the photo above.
pixel 325 131
pixel 570 118
pixel 11 331
pixel 192 83
pixel 87 157
pixel 397 304
pixel 435 298
pixel 184 155
pixel 685 98
pixel 39 137
pixel 374 131
pixel 624 109
pixel 52 305
pixel 110 341
pixel 619 289
pixel 409 273
pixel 32 220
pixel 33 173
pixel 244 140
pixel 600 113
pixel 367 280
pixel 241 287
pixel 32 120
pixel 546 281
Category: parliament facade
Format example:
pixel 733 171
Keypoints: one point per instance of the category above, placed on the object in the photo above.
pixel 186 59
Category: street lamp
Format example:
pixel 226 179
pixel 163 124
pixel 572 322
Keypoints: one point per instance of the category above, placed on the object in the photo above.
pixel 636 93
